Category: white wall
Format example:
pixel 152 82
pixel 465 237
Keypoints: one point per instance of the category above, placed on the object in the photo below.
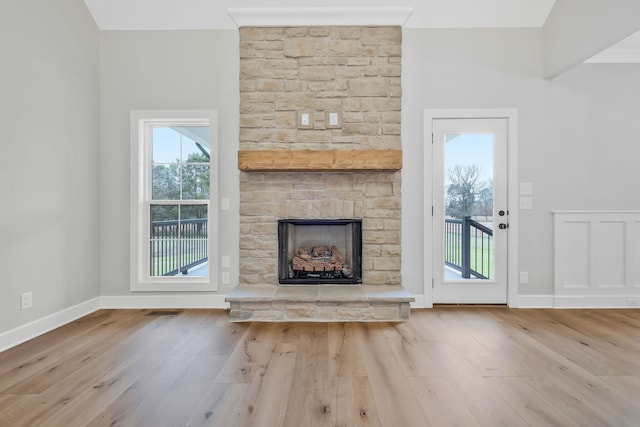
pixel 577 141
pixel 48 157
pixel 577 133
pixel 163 70
pixel 576 30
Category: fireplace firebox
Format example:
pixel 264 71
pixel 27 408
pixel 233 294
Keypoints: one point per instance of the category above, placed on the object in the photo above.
pixel 320 251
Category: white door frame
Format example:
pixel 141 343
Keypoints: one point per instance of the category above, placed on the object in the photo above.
pixel 511 114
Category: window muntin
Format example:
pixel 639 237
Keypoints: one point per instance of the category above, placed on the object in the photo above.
pixel 179 240
pixel 180 172
pixel 175 208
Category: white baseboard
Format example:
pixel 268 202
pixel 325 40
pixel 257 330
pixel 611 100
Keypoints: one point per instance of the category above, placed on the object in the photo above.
pixel 578 301
pixel 596 301
pixel 164 301
pixel 534 301
pixel 41 326
pixel 523 301
pixel 48 323
pixel 419 302
pixel 563 301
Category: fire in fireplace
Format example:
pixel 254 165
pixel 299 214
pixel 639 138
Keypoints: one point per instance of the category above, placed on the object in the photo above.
pixel 320 251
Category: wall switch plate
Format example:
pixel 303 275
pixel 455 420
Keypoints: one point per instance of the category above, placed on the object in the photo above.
pixel 226 276
pixel 224 204
pixel 526 188
pixel 333 120
pixel 305 120
pixel 526 202
pixel 524 277
pixel 26 300
pixel 226 261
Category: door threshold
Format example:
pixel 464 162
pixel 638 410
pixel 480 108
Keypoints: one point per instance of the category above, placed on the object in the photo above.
pixel 479 305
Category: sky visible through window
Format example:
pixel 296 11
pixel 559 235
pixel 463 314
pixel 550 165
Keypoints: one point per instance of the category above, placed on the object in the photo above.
pixel 470 149
pixel 166 145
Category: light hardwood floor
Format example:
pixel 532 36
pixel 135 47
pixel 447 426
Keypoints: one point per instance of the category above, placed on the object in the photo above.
pixel 446 366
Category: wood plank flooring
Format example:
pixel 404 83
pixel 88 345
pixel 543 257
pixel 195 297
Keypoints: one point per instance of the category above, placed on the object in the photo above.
pixel 448 366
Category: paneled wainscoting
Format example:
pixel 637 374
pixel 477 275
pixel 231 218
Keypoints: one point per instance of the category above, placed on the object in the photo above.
pixel 597 258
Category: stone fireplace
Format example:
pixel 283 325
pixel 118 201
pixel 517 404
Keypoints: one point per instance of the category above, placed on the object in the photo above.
pixel 320 170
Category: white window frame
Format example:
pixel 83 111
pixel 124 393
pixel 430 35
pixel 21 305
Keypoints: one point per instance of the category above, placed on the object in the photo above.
pixel 142 121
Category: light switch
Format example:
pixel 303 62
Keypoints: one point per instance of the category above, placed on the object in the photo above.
pixel 526 188
pixel 333 119
pixel 305 120
pixel 226 261
pixel 526 202
pixel 224 204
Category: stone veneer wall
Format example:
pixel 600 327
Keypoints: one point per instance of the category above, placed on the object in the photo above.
pixel 351 70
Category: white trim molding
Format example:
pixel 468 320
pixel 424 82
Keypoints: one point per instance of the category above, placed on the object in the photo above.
pixel 419 302
pixel 142 123
pixel 164 301
pixel 579 301
pixel 535 301
pixel 48 323
pixel 511 114
pixel 596 258
pixel 597 301
pixel 319 16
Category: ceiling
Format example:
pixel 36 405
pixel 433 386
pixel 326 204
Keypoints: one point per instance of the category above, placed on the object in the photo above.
pixel 212 14
pixel 625 52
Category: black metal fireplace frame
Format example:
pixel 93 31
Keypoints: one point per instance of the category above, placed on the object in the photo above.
pixel 283 252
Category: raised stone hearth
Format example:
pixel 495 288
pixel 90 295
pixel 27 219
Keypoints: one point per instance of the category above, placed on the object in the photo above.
pixel 322 303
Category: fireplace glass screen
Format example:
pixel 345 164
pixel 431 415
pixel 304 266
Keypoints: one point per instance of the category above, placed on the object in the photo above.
pixel 315 251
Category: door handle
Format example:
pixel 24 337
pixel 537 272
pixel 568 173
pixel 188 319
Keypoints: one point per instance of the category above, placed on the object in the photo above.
pixel 503 226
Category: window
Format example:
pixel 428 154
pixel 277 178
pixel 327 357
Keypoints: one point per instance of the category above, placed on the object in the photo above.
pixel 173 203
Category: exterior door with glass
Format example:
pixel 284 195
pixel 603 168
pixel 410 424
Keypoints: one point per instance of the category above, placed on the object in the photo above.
pixel 470 216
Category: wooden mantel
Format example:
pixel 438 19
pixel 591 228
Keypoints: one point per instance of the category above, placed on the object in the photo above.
pixel 318 160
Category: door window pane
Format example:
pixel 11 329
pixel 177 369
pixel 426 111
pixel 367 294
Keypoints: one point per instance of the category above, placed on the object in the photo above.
pixel 468 206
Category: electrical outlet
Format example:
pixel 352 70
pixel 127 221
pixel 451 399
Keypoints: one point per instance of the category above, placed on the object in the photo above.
pixel 26 300
pixel 524 277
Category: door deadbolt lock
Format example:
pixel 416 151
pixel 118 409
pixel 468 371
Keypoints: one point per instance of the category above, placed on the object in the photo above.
pixel 503 226
pixel 501 213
